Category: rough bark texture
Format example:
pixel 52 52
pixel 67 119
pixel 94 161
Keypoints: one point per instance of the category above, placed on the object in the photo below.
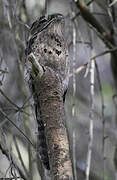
pixel 49 89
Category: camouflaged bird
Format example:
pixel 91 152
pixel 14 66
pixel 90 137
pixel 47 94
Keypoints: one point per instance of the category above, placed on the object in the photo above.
pixel 47 43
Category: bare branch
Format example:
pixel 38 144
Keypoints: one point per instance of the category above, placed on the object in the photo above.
pixel 46 8
pixel 5 115
pixel 74 154
pixel 20 109
pixel 91 115
pixel 73 66
pixel 104 34
pixel 103 119
pixel 20 157
pixel 79 69
pixel 9 157
pixel 113 3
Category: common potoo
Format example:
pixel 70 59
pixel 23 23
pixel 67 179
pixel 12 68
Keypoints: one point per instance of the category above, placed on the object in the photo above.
pixel 47 43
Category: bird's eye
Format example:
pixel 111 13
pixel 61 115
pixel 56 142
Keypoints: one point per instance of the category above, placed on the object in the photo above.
pixel 52 16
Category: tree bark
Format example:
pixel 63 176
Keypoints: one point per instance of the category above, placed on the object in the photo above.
pixel 50 97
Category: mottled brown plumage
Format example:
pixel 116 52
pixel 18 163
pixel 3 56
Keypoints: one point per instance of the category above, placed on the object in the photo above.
pixel 48 45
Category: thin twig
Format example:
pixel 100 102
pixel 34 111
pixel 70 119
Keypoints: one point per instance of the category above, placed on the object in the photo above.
pixel 74 153
pixel 111 4
pixel 5 152
pixel 20 157
pixel 5 115
pixel 46 8
pixel 11 102
pixel 110 16
pixel 91 114
pixel 79 69
pixel 103 119
pixel 27 101
pixel 30 163
pixel 74 64
pixel 104 52
pixel 22 23
pixel 6 170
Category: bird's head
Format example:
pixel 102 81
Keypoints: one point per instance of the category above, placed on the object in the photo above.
pixel 53 21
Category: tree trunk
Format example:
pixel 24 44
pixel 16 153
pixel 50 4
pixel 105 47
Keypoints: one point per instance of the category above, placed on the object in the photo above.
pixel 49 92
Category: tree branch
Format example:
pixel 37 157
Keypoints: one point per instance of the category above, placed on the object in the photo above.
pixel 5 115
pixel 20 109
pixel 9 157
pixel 20 157
pixel 88 16
pixel 79 69
pixel 49 91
